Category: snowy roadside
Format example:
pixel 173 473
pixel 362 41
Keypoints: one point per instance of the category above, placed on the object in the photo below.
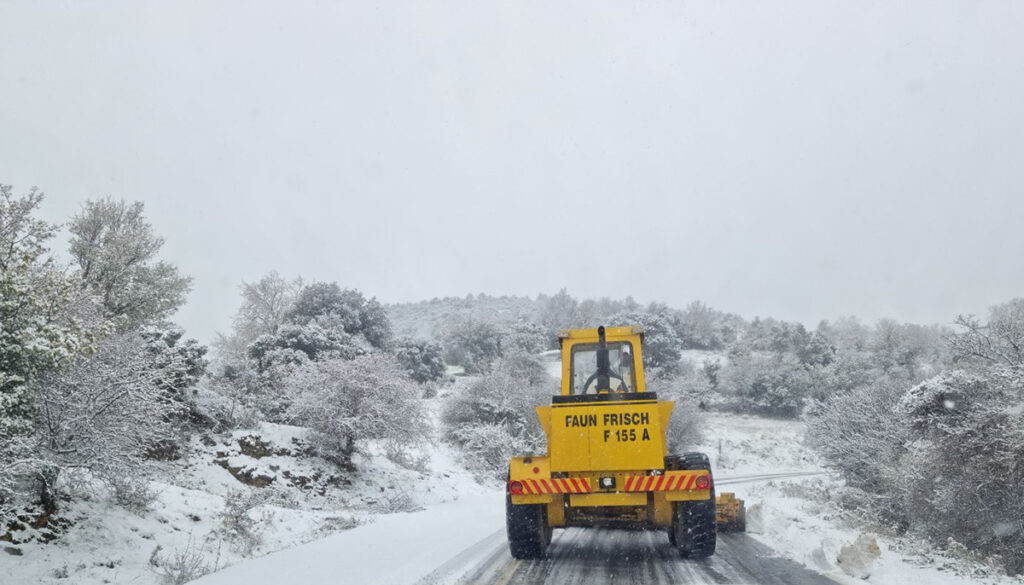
pixel 284 496
pixel 794 517
pixel 336 527
pixel 396 549
pixel 800 520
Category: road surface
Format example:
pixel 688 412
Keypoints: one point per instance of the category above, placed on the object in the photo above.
pixel 603 556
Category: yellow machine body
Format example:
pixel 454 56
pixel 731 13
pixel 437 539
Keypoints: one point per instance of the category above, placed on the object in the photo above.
pixel 606 456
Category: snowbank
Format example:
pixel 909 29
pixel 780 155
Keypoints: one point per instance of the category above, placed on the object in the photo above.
pixel 397 549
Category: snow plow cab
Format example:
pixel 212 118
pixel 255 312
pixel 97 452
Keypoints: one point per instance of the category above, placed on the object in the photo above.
pixel 606 462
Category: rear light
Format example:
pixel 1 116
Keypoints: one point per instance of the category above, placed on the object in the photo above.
pixel 703 482
pixel 515 487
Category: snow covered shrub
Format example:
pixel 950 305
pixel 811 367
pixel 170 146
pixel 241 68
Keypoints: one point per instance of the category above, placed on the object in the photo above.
pixel 132 492
pixel 259 380
pixel 104 411
pixel 493 417
pixel 345 402
pixel 401 454
pixel 183 565
pixel 474 344
pixel 962 476
pixel 765 384
pixel 941 459
pixel 487 447
pixel 395 500
pixel 859 433
pixel 684 426
pixel 238 523
pixel 423 360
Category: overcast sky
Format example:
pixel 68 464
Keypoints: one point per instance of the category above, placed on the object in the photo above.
pixel 802 160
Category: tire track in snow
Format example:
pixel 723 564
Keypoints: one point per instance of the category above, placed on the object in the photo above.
pixel 605 556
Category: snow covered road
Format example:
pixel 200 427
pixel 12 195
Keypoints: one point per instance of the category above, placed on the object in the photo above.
pixel 463 543
pixel 608 556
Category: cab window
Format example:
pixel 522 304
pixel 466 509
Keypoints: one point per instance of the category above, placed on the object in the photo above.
pixel 620 368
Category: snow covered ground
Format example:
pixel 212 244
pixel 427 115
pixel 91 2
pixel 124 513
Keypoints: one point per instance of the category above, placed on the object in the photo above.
pixel 396 549
pixel 303 499
pixel 793 516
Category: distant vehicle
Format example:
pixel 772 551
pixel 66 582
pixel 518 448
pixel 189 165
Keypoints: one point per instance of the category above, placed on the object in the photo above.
pixel 607 463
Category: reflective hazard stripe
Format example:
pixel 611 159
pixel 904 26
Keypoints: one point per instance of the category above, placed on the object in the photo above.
pixel 555 485
pixel 668 482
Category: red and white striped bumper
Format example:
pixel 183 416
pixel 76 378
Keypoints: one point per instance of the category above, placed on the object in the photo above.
pixel 670 481
pixel 566 485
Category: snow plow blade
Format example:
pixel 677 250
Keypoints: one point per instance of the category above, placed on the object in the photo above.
pixel 731 513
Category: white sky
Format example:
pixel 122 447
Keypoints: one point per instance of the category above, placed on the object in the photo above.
pixel 802 160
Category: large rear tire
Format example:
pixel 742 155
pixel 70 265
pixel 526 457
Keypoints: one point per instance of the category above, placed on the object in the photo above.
pixel 528 531
pixel 693 522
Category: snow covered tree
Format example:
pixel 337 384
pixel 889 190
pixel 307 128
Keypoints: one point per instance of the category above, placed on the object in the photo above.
pixel 701 327
pixel 1000 341
pixel 662 347
pixel 423 360
pixel 259 380
pixel 116 252
pixel 41 325
pixel 527 337
pixel 265 303
pixel 347 402
pixel 560 311
pixel 298 344
pixel 103 411
pixel 345 309
pixel 473 343
pixel 181 362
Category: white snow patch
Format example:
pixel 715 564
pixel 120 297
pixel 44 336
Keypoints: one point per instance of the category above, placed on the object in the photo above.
pixel 398 549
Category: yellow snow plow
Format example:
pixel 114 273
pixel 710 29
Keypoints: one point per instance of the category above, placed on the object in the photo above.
pixel 607 462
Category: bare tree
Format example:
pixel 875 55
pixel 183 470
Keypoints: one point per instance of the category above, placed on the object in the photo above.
pixel 264 305
pixel 1000 341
